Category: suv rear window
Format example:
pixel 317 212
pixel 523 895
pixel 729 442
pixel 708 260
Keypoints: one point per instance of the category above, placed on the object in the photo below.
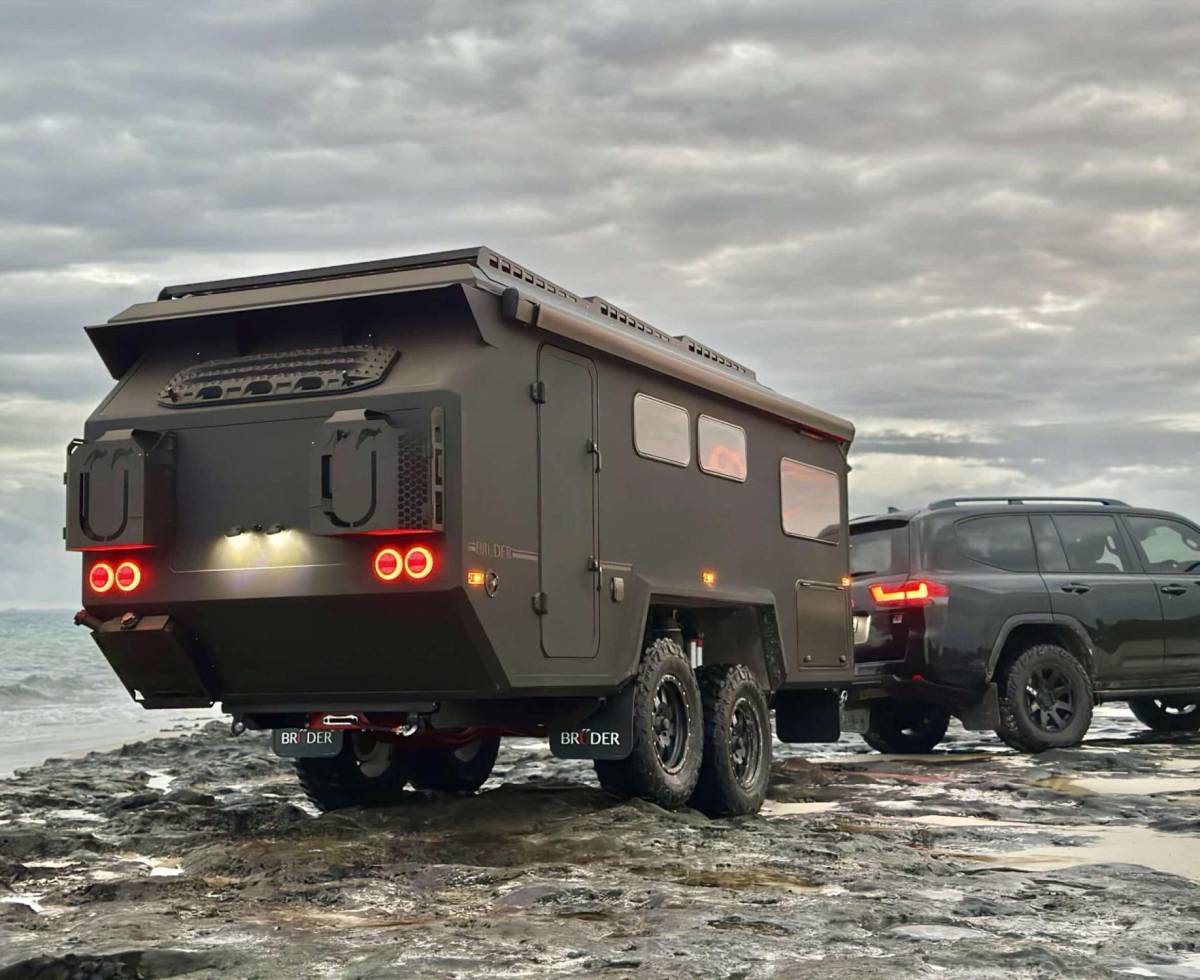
pixel 879 549
pixel 1003 541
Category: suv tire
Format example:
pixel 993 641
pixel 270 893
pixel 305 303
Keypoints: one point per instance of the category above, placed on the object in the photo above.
pixel 736 767
pixel 1045 700
pixel 905 727
pixel 1168 714
pixel 367 772
pixel 668 732
pixel 459 770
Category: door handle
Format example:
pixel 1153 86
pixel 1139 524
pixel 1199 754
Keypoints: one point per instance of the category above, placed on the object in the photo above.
pixel 1077 587
pixel 593 447
pixel 1173 589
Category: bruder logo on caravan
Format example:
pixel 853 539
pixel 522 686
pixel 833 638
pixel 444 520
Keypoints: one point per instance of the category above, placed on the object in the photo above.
pixel 605 734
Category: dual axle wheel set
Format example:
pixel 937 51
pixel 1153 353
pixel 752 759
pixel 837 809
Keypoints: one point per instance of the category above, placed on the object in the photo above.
pixel 700 737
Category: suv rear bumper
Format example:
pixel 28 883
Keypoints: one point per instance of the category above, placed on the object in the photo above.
pixel 977 710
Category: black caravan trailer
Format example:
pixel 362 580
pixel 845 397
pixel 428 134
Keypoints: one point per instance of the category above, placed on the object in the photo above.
pixel 398 509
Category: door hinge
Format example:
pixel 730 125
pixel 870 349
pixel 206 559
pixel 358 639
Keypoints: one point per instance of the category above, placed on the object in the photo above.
pixel 540 603
pixel 537 391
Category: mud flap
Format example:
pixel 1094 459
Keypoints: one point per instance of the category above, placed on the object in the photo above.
pixel 607 733
pixel 982 715
pixel 808 716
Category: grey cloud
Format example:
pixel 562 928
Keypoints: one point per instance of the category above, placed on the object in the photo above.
pixel 972 226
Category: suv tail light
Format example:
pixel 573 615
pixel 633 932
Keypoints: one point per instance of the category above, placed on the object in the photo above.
pixel 915 592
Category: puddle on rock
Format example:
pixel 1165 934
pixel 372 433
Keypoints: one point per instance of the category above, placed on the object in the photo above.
pixel 1119 785
pixel 771 808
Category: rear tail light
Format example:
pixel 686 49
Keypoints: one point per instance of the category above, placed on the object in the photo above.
pixel 101 577
pixel 388 564
pixel 391 563
pixel 128 576
pixel 418 562
pixel 915 592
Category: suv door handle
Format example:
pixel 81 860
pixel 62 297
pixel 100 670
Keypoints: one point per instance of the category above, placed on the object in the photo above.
pixel 1077 587
pixel 1173 589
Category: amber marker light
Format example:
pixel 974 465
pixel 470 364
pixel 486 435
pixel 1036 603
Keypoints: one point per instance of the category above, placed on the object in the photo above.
pixel 418 562
pixel 846 581
pixel 388 564
pixel 475 576
pixel 101 577
pixel 128 576
pixel 708 577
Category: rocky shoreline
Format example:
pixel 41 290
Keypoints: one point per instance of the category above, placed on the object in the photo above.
pixel 197 856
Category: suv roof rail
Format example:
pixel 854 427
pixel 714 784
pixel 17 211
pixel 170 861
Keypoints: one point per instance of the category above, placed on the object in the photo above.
pixel 1018 500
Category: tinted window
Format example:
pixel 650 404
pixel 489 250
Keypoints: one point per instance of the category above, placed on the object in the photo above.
pixel 1003 541
pixel 1051 557
pixel 661 430
pixel 1166 545
pixel 879 549
pixel 1092 543
pixel 722 448
pixel 809 500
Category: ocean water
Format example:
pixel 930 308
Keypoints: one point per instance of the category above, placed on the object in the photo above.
pixel 58 696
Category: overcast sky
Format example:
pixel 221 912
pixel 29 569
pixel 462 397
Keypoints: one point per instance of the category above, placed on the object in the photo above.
pixel 973 229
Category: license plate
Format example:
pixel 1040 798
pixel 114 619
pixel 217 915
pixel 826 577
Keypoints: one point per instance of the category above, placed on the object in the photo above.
pixel 304 743
pixel 862 628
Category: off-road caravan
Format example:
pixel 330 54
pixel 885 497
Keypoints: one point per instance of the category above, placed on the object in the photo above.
pixel 396 510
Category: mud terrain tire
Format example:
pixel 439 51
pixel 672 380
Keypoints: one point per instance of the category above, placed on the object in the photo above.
pixel 460 770
pixel 1045 700
pixel 905 727
pixel 367 772
pixel 668 732
pixel 736 767
pixel 1168 714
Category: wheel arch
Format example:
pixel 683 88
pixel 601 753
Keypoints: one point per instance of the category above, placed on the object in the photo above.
pixel 737 628
pixel 1021 632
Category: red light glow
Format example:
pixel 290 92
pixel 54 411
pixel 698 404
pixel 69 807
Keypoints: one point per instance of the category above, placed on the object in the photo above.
pixel 101 577
pixel 128 576
pixel 418 562
pixel 388 564
pixel 918 592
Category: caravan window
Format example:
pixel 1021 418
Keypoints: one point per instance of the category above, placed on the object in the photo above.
pixel 661 431
pixel 810 501
pixel 722 448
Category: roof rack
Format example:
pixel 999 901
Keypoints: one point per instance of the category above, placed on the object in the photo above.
pixel 1019 500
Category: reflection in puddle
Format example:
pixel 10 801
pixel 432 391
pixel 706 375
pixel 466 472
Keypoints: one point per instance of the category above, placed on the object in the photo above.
pixel 771 808
pixel 1119 785
pixel 1169 853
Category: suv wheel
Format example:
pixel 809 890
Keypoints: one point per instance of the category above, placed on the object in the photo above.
pixel 737 743
pixel 1167 714
pixel 668 732
pixel 1045 700
pixel 367 772
pixel 905 727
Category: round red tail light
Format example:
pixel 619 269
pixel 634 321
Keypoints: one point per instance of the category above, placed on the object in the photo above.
pixel 388 564
pixel 418 562
pixel 128 576
pixel 101 577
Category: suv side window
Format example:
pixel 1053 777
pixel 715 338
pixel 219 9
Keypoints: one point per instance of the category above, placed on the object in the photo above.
pixel 1166 545
pixel 1003 541
pixel 1092 543
pixel 1051 556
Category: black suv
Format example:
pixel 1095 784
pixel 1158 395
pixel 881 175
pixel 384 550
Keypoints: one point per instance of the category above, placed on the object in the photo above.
pixel 1018 614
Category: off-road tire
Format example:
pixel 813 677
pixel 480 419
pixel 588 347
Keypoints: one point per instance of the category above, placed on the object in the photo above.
pixel 1044 666
pixel 367 772
pixel 644 773
pixel 905 727
pixel 736 767
pixel 461 770
pixel 1168 714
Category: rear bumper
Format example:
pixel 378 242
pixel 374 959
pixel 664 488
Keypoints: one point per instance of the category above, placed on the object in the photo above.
pixel 325 651
pixel 978 710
